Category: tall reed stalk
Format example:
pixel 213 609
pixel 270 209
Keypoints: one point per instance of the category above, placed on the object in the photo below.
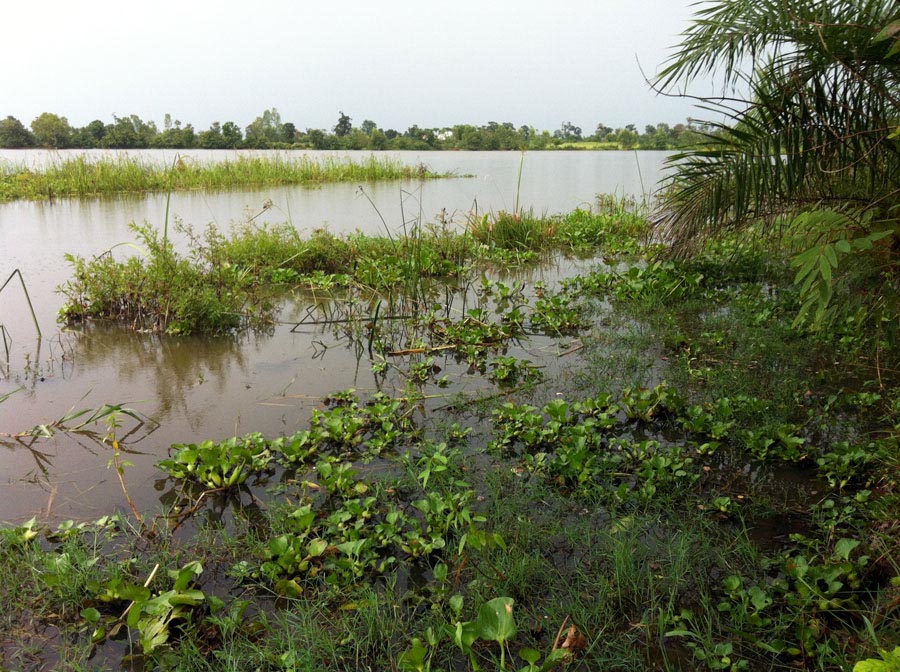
pixel 16 272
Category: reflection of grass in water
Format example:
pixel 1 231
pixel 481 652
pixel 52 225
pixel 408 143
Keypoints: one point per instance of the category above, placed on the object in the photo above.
pixel 82 176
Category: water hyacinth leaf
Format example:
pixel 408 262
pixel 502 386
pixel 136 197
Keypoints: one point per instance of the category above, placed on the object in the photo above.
pixel 186 574
pixel 530 656
pixel 844 547
pixel 464 635
pixel 890 662
pixel 495 620
pixel 90 615
pixel 316 547
pixel 279 545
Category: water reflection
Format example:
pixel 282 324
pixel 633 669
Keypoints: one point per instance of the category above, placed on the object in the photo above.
pixel 169 370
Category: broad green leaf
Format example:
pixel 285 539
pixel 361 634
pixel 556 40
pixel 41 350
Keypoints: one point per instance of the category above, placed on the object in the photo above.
pixel 825 269
pixel 495 620
pixel 91 615
pixel 530 656
pixel 316 547
pixel 464 635
pixel 187 574
pixel 413 659
pixel 154 633
pixel 889 31
pixel 844 547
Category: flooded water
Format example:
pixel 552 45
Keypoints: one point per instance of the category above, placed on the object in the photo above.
pixel 191 389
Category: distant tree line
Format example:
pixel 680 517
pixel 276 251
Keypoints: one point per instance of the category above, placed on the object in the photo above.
pixel 268 131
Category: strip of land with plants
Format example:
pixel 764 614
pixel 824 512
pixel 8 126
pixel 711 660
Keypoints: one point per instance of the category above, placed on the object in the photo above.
pixel 83 177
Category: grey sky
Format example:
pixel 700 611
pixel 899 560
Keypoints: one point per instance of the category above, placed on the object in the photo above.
pixel 397 62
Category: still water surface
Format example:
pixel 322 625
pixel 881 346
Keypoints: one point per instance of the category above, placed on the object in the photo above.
pixel 192 389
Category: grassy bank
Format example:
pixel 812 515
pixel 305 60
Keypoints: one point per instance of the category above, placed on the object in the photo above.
pixel 81 176
pixel 704 484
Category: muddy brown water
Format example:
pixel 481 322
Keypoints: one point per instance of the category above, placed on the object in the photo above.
pixel 191 389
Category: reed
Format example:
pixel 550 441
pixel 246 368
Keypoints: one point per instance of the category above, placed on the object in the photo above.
pixel 521 230
pixel 81 176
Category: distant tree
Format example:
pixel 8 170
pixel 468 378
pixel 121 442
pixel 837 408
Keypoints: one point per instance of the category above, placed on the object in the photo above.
pixel 540 140
pixel 422 138
pixel 174 136
pixel 317 139
pixel 343 126
pixel 13 134
pixel 288 133
pixel 212 138
pixel 88 137
pixel 51 130
pixel 129 133
pixel 568 132
pixel 368 127
pixel 97 130
pixel 356 140
pixel 391 133
pixel 601 133
pixel 627 137
pixel 379 139
pixel 264 130
pixel 232 134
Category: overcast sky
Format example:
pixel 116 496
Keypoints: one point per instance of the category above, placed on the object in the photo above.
pixel 397 62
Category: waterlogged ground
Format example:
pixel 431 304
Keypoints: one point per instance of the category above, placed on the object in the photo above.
pixel 610 462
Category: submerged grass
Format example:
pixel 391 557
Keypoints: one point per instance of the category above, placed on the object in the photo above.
pixel 83 176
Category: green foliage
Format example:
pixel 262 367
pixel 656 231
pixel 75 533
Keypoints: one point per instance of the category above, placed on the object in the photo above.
pixel 160 291
pixel 818 265
pixel 219 465
pixel 888 662
pixel 519 230
pixel 495 623
pixel 51 131
pixel 14 135
pixel 811 144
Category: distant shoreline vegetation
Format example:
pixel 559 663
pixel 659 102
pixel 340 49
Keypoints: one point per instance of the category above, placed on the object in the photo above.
pixel 81 176
pixel 268 131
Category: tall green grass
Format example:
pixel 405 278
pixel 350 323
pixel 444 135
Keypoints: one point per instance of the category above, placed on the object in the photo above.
pixel 81 176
